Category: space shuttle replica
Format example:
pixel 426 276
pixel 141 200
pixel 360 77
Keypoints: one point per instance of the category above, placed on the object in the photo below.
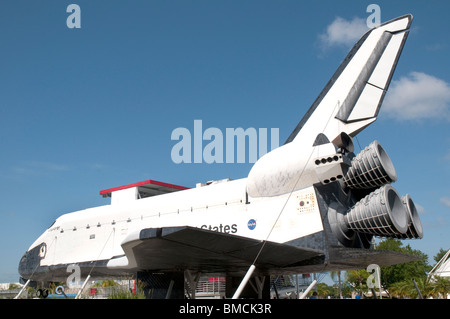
pixel 310 205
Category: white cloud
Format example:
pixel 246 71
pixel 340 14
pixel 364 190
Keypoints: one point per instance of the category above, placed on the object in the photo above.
pixel 447 157
pixel 48 166
pixel 418 96
pixel 38 168
pixel 343 32
pixel 445 201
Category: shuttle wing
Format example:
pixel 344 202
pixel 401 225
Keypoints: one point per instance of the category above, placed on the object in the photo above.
pixel 186 247
pixel 352 98
pixel 170 248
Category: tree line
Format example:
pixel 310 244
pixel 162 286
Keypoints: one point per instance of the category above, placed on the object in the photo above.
pixel 408 280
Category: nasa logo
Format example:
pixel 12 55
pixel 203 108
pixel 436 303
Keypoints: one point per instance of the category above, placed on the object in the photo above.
pixel 251 224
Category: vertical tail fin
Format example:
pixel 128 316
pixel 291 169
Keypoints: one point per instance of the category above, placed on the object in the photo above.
pixel 352 98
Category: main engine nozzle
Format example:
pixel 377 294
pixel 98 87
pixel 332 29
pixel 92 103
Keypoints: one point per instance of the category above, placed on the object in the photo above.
pixel 380 213
pixel 371 168
pixel 415 229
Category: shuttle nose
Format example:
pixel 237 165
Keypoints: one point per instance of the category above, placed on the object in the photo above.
pixel 31 260
pixel 23 266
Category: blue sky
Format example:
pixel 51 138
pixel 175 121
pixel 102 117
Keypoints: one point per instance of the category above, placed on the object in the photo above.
pixel 91 108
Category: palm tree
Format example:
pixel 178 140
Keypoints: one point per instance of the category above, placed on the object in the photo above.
pixel 400 289
pixel 358 280
pixel 323 290
pixel 441 286
pixel 337 274
pixel 425 287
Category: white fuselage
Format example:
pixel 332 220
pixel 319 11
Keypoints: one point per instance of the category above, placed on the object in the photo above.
pixel 98 233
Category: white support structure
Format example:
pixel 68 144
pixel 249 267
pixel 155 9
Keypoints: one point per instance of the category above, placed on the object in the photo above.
pixel 244 281
pixel 23 288
pixel 308 289
pixel 82 287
